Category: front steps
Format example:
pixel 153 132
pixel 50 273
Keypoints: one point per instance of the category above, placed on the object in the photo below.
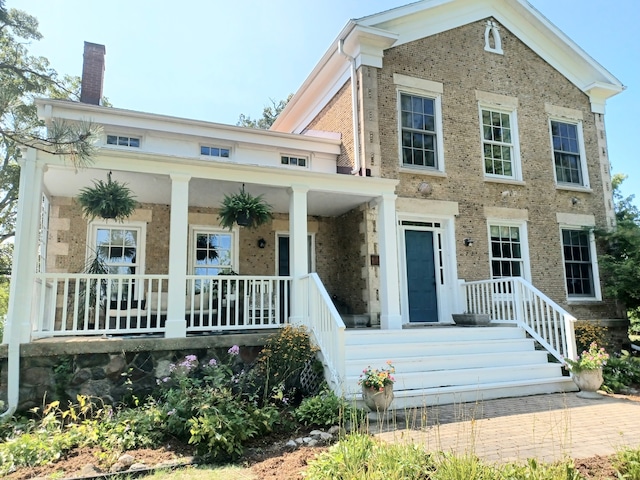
pixel 440 365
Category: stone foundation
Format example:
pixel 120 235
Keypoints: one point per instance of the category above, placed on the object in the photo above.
pixel 111 369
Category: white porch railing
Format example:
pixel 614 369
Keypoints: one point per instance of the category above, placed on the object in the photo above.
pixel 514 300
pixel 326 326
pixel 88 304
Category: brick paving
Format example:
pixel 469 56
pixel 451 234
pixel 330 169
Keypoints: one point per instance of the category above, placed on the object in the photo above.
pixel 547 427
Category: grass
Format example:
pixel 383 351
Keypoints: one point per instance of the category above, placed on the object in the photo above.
pixel 231 472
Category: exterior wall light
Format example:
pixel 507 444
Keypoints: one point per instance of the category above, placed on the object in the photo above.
pixel 468 242
pixel 262 243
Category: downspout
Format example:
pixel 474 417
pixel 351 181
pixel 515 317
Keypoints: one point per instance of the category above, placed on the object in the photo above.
pixel 13 379
pixel 357 169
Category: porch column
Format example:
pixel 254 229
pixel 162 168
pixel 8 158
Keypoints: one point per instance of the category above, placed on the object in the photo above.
pixel 390 318
pixel 298 264
pixel 22 288
pixel 176 325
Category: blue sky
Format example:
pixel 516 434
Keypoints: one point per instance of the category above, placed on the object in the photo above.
pixel 212 59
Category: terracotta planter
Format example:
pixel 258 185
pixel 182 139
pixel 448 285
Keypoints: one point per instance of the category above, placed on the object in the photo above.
pixel 588 381
pixel 377 401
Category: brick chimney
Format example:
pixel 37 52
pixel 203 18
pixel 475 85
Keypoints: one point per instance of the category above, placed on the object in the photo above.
pixel 92 73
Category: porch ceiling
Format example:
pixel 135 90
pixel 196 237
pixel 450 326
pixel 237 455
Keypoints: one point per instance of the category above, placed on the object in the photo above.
pixel 156 188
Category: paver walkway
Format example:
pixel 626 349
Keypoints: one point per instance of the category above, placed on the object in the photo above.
pixel 547 427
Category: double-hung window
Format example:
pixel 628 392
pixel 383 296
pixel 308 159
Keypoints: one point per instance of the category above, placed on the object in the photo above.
pixel 420 134
pixel 419 138
pixel 578 263
pixel 212 252
pixel 499 143
pixel 507 258
pixel 568 154
pixel 120 249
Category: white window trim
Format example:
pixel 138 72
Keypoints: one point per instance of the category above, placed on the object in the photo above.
pixel 311 253
pixel 436 96
pixel 448 293
pixel 43 240
pixel 492 30
pixel 516 164
pixel 124 134
pixel 597 291
pixel 307 159
pixel 235 245
pixel 585 185
pixel 524 243
pixel 215 145
pixel 124 225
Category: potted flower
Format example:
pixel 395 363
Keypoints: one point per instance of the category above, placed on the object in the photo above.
pixel 377 387
pixel 244 209
pixel 587 370
pixel 108 200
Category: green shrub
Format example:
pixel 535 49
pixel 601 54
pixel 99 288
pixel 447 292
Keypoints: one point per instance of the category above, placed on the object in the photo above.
pixel 279 364
pixel 204 405
pixel 461 467
pixel 359 456
pixel 621 371
pixel 322 410
pixel 627 464
pixel 533 470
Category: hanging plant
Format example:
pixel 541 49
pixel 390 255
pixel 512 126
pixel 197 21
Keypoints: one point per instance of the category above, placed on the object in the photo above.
pixel 244 209
pixel 108 200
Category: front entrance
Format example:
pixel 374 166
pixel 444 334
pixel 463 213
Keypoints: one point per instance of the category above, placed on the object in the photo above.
pixel 421 276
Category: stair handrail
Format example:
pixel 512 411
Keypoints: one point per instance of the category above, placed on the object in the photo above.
pixel 324 323
pixel 515 300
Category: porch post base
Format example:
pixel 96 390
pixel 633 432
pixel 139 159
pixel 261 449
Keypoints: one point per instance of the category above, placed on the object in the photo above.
pixel 390 322
pixel 175 329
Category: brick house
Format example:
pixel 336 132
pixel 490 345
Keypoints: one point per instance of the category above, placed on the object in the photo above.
pixel 442 157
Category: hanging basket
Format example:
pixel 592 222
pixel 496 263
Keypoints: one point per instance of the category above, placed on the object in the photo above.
pixel 244 210
pixel 108 200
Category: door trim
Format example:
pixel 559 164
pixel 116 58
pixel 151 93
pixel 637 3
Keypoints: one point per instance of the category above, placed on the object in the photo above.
pixel 443 228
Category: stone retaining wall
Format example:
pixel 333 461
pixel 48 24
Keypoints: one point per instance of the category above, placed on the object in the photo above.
pixel 111 369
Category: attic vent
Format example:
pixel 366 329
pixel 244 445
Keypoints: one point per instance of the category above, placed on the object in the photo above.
pixel 492 40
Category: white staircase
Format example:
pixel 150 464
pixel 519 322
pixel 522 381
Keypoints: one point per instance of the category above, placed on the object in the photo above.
pixel 439 365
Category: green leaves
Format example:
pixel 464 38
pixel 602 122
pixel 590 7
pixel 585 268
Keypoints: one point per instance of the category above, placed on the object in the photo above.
pixel 110 199
pixel 254 210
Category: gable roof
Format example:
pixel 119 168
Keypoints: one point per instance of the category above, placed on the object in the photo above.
pixel 366 38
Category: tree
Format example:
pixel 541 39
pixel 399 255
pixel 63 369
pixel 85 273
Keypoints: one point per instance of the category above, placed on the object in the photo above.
pixel 269 115
pixel 620 259
pixel 22 78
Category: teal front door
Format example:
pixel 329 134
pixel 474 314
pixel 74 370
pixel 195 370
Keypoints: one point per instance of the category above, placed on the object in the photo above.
pixel 421 276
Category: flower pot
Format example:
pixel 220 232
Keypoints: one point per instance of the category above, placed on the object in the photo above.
pixel 588 381
pixel 471 319
pixel 377 400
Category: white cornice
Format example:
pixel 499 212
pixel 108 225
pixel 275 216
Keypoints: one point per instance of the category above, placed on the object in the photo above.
pixel 373 34
pixel 175 127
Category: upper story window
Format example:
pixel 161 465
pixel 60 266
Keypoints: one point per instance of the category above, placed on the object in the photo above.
pixel 295 161
pixel 419 138
pixel 214 151
pixel 122 141
pixel 568 153
pixel 500 143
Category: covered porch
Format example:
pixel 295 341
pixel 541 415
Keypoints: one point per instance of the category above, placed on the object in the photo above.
pixel 163 287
